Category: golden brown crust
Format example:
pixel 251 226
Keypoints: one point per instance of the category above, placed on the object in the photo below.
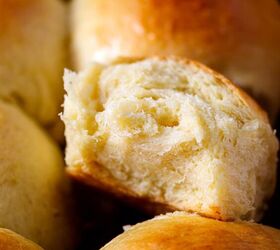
pixel 12 241
pixel 198 29
pixel 33 54
pixel 183 231
pixel 158 28
pixel 99 178
pixel 248 100
pixel 36 199
pixel 237 38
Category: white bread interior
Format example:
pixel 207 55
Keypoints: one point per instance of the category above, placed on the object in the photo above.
pixel 171 131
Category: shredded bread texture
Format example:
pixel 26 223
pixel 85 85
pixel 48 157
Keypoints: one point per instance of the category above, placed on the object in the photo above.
pixel 172 131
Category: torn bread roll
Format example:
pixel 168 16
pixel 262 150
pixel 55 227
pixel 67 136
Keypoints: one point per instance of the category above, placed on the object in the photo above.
pixel 32 52
pixel 240 39
pixel 34 190
pixel 180 230
pixel 173 132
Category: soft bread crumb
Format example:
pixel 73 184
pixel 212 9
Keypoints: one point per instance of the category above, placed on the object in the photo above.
pixel 174 132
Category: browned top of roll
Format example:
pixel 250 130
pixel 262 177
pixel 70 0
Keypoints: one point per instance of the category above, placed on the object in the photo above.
pixel 237 38
pixel 182 231
pixel 12 241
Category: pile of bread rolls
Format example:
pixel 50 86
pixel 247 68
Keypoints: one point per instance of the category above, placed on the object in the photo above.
pixel 146 121
pixel 35 198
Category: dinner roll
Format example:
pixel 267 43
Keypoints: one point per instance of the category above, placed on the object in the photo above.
pixel 180 230
pixel 240 39
pixel 172 132
pixel 34 190
pixel 32 52
pixel 12 241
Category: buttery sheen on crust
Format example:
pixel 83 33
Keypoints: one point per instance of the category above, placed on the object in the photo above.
pixel 12 241
pixel 180 231
pixel 32 52
pixel 240 39
pixel 172 132
pixel 34 190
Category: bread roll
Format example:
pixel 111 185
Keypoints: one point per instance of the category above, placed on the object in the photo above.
pixel 12 241
pixel 32 52
pixel 180 230
pixel 172 132
pixel 34 190
pixel 240 39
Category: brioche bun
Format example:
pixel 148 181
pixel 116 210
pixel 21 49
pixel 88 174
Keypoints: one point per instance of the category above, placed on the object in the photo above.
pixel 180 230
pixel 32 52
pixel 12 241
pixel 240 39
pixel 172 132
pixel 34 189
